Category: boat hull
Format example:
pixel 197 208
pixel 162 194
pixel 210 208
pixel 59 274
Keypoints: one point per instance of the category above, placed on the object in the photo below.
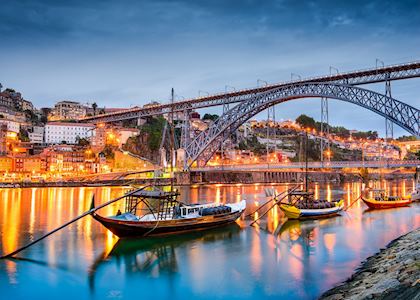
pixel 374 204
pixel 292 212
pixel 165 227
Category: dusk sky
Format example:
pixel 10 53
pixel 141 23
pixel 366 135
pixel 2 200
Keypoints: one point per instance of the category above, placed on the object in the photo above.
pixel 122 53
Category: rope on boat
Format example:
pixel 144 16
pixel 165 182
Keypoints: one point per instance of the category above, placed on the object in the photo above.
pixel 89 212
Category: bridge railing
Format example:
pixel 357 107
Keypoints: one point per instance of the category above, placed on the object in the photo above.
pixel 312 165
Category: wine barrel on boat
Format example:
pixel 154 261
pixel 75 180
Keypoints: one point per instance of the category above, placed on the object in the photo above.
pixel 165 214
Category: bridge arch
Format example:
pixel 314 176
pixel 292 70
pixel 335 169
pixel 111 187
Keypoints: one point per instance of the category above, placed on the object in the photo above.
pixel 202 147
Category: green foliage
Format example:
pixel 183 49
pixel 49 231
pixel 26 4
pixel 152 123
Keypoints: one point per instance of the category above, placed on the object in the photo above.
pixel 31 116
pixel 108 151
pixel 407 138
pixel 94 107
pixel 154 129
pixel 306 121
pixel 212 117
pixel 82 141
pixel 252 144
pixel 23 135
pixel 370 135
pixel 45 111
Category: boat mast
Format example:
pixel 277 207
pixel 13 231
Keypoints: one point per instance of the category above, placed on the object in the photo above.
pixel 171 140
pixel 306 161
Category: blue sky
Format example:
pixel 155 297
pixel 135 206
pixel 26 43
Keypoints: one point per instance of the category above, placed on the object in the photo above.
pixel 122 53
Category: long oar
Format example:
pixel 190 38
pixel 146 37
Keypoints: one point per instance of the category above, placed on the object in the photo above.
pixel 275 203
pixel 353 202
pixel 250 214
pixel 92 210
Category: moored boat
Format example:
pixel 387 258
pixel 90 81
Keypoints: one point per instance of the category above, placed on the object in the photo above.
pixel 302 206
pixel 380 200
pixel 167 215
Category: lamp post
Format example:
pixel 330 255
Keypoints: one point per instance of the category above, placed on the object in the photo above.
pixel 295 75
pixel 335 69
pixel 378 61
pixel 201 92
pixel 263 81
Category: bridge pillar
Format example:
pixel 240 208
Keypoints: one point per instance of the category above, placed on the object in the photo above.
pixel 325 130
pixel 140 122
pixel 389 126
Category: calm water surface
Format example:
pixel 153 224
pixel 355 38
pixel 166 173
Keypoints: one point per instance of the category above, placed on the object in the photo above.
pixel 277 258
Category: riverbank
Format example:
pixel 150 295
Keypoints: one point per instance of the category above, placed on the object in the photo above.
pixel 393 273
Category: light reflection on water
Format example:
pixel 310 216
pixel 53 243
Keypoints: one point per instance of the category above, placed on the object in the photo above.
pixel 293 259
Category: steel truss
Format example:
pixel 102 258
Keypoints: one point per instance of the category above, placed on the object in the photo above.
pixel 207 142
pixel 383 74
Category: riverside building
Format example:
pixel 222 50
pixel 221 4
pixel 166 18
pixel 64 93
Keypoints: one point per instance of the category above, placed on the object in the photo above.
pixel 69 133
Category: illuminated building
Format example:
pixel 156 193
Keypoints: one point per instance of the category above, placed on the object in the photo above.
pixel 59 132
pixel 67 110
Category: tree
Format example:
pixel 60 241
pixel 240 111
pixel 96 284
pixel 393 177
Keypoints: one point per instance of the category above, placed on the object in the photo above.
pixel 94 107
pixel 45 111
pixel 82 141
pixel 154 129
pixel 212 117
pixel 407 138
pixel 252 144
pixel 23 135
pixel 306 121
pixel 108 152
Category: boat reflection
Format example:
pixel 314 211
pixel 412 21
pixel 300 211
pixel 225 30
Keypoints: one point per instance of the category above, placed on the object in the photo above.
pixel 299 232
pixel 155 255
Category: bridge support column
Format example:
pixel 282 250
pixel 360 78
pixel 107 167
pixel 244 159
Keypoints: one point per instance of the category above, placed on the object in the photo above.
pixel 325 130
pixel 271 130
pixel 389 126
pixel 185 136
pixel 140 122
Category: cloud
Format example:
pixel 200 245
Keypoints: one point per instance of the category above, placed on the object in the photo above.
pixel 129 52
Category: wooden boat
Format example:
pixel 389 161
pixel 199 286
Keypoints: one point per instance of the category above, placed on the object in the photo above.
pixel 380 200
pixel 167 215
pixel 302 206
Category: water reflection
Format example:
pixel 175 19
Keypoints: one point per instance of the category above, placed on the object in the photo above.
pixel 277 258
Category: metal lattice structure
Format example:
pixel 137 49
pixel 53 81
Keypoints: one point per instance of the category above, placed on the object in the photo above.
pixel 207 142
pixel 389 126
pixel 325 128
pixel 373 75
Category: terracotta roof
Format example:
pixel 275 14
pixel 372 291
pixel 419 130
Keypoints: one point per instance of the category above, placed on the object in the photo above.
pixel 70 124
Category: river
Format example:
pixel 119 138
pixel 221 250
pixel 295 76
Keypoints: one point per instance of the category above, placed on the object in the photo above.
pixel 276 258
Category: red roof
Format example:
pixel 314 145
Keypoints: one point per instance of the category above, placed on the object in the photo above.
pixel 70 124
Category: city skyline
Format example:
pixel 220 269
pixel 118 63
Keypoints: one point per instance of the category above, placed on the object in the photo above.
pixel 117 57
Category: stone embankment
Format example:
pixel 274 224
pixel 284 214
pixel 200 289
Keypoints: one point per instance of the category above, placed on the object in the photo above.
pixel 393 273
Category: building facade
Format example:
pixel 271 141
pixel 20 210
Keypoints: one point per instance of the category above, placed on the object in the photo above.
pixel 58 132
pixel 67 110
pixel 11 125
pixel 36 134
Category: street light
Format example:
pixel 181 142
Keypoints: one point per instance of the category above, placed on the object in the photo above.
pixel 200 92
pixel 295 75
pixel 377 61
pixel 335 69
pixel 260 80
